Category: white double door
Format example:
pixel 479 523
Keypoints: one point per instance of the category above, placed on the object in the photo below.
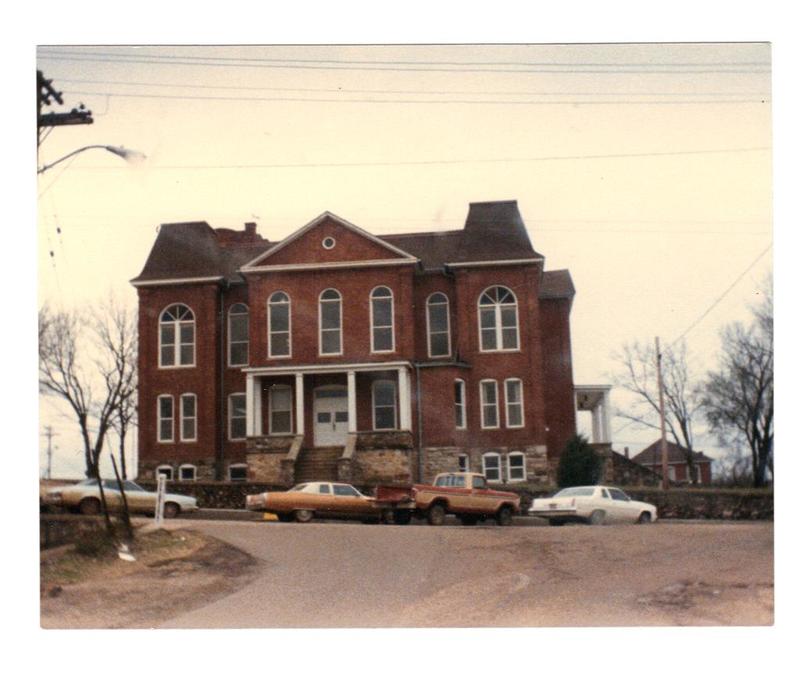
pixel 330 416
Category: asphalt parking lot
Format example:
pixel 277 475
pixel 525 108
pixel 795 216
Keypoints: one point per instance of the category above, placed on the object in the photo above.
pixel 338 574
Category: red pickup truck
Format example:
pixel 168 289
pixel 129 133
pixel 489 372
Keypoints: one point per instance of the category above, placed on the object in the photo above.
pixel 463 494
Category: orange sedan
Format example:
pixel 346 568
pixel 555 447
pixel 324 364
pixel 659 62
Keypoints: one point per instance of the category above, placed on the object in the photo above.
pixel 325 500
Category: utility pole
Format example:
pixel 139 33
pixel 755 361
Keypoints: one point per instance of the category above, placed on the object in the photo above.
pixel 48 432
pixel 664 464
pixel 44 93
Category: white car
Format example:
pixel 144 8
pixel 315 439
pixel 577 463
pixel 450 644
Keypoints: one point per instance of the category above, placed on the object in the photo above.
pixel 593 505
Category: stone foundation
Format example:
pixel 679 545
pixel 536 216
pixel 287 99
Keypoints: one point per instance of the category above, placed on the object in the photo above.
pixel 381 466
pixel 205 469
pixel 265 467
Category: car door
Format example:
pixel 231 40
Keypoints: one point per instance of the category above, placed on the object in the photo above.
pixel 623 508
pixel 138 499
pixel 347 502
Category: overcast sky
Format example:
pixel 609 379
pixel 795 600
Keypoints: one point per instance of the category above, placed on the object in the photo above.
pixel 644 169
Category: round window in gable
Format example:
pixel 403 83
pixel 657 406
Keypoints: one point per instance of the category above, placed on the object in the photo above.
pixel 328 242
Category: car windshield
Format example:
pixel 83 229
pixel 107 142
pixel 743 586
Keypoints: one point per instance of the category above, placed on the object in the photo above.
pixel 575 491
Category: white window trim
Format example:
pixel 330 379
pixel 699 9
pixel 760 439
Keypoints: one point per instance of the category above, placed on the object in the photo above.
pixel 237 466
pixel 524 466
pixel 291 409
pixel 521 403
pixel 484 426
pixel 463 407
pixel 499 466
pixel 165 467
pixel 341 324
pixel 372 322
pixel 394 406
pixel 183 438
pixel 288 303
pixel 177 344
pixel 230 416
pixel 230 342
pixel 159 438
pixel 187 466
pixel 428 320
pixel 498 325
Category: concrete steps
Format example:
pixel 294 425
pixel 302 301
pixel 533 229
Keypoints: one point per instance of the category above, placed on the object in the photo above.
pixel 317 465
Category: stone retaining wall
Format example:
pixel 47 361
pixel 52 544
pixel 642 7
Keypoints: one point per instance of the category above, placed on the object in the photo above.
pixel 216 495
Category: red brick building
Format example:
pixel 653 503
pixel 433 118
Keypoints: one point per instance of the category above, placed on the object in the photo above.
pixel 678 467
pixel 337 353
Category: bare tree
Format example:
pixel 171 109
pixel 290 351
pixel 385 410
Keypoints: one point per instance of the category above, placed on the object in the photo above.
pixel 94 387
pixel 682 400
pixel 739 397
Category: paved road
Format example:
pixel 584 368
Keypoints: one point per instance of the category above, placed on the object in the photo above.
pixel 345 575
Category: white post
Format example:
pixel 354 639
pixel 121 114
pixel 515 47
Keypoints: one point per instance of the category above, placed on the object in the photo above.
pixel 596 424
pixel 405 398
pixel 161 488
pixel 299 420
pixel 250 406
pixel 607 416
pixel 258 397
pixel 351 402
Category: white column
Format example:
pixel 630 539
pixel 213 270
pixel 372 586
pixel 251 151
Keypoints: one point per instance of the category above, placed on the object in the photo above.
pixel 299 419
pixel 607 416
pixel 259 395
pixel 404 398
pixel 596 424
pixel 352 425
pixel 250 405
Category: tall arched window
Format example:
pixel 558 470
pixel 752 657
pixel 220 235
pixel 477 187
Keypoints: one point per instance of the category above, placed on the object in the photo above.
pixel 497 311
pixel 238 335
pixel 279 325
pixel 438 325
pixel 382 319
pixel 330 322
pixel 176 337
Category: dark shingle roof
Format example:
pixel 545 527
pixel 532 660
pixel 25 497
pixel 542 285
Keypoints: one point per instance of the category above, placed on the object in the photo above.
pixel 494 231
pixel 556 284
pixel 675 454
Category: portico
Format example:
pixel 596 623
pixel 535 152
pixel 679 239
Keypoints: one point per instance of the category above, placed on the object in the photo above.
pixel 338 394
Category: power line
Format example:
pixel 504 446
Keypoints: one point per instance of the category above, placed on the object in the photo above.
pixel 542 67
pixel 725 292
pixel 327 100
pixel 198 86
pixel 650 154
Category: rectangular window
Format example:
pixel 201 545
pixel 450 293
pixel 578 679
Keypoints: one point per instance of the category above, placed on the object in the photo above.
pixel 188 417
pixel 382 322
pixel 516 467
pixel 237 416
pixel 330 327
pixel 438 326
pixel 238 336
pixel 187 473
pixel 491 467
pixel 463 463
pixel 514 414
pixel 460 404
pixel 187 343
pixel 167 345
pixel 279 345
pixel 165 419
pixel 488 329
pixel 489 412
pixel 280 409
pixel 384 410
pixel 237 473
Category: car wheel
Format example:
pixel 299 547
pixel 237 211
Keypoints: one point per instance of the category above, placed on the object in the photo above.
pixel 597 517
pixel 171 510
pixel 303 516
pixel 90 506
pixel 436 514
pixel 468 520
pixel 402 517
pixel 504 516
pixel 645 518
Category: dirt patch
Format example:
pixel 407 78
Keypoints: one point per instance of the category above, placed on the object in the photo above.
pixel 174 572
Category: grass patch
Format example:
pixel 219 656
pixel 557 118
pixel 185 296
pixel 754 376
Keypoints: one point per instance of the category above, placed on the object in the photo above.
pixel 94 556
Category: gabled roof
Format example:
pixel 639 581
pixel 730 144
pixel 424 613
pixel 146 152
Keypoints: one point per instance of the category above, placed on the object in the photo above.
pixel 675 454
pixel 261 260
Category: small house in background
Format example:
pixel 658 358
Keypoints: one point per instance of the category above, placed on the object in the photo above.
pixel 678 469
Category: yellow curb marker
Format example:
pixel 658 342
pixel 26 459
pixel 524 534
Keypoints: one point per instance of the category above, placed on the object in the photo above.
pixel 270 517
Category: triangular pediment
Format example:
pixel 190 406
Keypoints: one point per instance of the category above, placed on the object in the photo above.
pixel 328 240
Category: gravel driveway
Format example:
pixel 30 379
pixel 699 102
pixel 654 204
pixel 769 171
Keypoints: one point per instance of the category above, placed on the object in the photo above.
pixel 353 575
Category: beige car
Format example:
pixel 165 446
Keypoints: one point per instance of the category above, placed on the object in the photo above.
pixel 325 500
pixel 85 498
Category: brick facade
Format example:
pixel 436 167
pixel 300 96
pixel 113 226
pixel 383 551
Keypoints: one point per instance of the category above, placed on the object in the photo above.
pixel 208 271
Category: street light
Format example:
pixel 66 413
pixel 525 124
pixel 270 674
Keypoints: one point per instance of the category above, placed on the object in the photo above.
pixel 122 152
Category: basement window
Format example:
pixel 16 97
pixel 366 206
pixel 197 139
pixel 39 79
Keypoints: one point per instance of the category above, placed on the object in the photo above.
pixel 237 473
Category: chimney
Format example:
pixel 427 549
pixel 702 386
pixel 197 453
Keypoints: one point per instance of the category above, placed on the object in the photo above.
pixel 627 453
pixel 250 229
